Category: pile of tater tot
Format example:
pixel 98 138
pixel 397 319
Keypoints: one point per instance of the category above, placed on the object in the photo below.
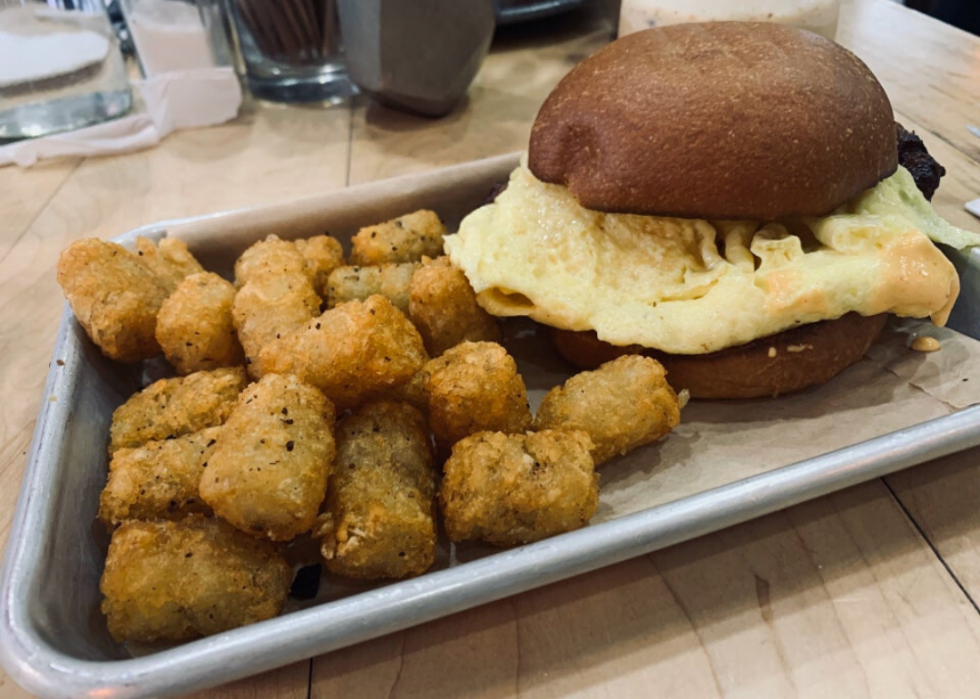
pixel 362 401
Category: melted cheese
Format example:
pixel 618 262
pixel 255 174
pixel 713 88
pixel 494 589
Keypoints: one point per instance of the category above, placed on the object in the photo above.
pixel 688 286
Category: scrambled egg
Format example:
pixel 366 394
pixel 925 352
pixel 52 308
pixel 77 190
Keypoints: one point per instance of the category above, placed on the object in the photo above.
pixel 689 286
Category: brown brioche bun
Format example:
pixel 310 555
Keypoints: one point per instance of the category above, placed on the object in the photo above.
pixel 792 360
pixel 720 120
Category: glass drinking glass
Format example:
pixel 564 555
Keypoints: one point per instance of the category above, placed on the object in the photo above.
pixel 176 35
pixel 60 68
pixel 290 49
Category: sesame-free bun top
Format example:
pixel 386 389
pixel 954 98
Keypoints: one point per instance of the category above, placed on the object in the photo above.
pixel 717 120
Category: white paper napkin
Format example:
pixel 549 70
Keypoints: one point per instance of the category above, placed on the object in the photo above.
pixel 179 100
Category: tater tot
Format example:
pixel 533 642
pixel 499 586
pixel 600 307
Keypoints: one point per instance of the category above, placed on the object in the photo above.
pixel 515 489
pixel 405 239
pixel 268 473
pixel 180 580
pixel 623 404
pixel 412 391
pixel 357 283
pixel 170 408
pixel 443 307
pixel 169 259
pixel 158 480
pixel 270 306
pixel 351 352
pixel 195 328
pixel 114 296
pixel 378 519
pixel 323 254
pixel 269 257
pixel 475 387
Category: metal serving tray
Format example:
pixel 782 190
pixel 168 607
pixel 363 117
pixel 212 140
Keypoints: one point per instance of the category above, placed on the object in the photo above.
pixel 53 639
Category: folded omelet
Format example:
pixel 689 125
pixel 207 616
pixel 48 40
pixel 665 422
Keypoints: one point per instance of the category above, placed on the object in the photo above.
pixel 689 286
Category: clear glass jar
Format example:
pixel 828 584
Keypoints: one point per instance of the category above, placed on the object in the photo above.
pixel 818 16
pixel 289 50
pixel 60 69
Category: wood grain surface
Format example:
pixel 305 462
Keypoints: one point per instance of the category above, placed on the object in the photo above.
pixel 868 592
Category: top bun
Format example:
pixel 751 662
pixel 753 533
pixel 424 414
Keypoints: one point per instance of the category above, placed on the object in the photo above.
pixel 716 120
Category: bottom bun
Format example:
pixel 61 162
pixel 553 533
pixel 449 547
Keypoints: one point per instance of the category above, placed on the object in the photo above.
pixel 789 361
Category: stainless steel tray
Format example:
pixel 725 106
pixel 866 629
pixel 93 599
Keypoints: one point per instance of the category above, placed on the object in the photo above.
pixel 53 640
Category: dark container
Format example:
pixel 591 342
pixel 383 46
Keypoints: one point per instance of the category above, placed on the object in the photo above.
pixel 416 55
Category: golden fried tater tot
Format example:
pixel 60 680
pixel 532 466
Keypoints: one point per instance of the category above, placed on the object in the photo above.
pixel 357 283
pixel 351 352
pixel 623 404
pixel 475 387
pixel 379 513
pixel 180 580
pixel 275 296
pixel 443 306
pixel 170 260
pixel 114 296
pixel 170 408
pixel 323 254
pixel 268 473
pixel 412 391
pixel 195 326
pixel 268 307
pixel 405 239
pixel 514 489
pixel 270 257
pixel 157 480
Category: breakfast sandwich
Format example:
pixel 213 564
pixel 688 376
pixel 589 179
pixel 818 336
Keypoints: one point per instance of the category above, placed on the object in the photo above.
pixel 726 197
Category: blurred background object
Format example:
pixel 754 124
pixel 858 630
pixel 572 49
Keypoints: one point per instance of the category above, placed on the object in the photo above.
pixel 175 35
pixel 819 16
pixel 513 11
pixel 60 68
pixel 290 49
pixel 417 55
pixel 964 14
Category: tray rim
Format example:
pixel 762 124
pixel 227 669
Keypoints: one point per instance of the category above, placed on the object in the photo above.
pixel 49 673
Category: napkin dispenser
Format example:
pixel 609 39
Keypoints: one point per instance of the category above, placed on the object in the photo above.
pixel 418 56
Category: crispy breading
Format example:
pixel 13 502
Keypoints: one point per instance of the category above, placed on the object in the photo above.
pixel 323 254
pixel 276 296
pixel 475 387
pixel 271 307
pixel 357 283
pixel 351 353
pixel 404 239
pixel 180 580
pixel 158 480
pixel 515 489
pixel 114 296
pixel 623 404
pixel 378 519
pixel 443 307
pixel 195 328
pixel 169 259
pixel 412 391
pixel 170 408
pixel 268 473
pixel 271 256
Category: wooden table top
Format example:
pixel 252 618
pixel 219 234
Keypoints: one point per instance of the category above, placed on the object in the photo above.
pixel 870 591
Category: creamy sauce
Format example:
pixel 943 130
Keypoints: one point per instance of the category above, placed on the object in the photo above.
pixel 924 343
pixel 689 286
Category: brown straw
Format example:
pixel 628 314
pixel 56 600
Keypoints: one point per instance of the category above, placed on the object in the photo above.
pixel 298 32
